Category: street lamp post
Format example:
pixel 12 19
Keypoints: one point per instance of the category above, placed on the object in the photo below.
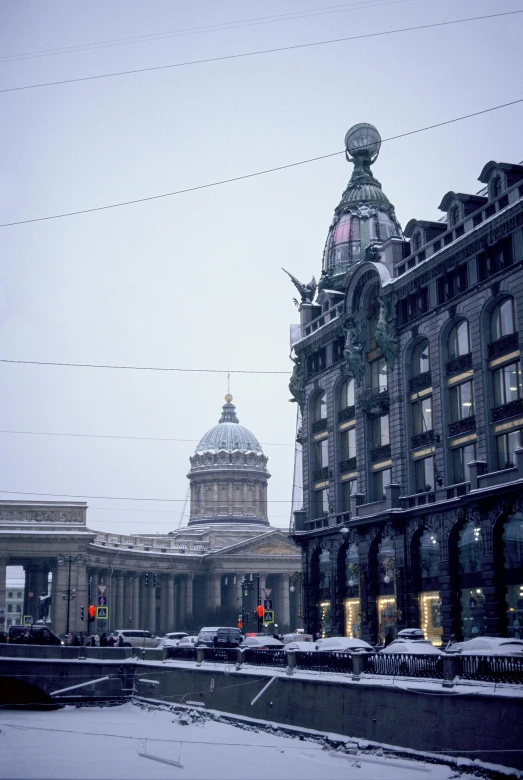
pixel 69 593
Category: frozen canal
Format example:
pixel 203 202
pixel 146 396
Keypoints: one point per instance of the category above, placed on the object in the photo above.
pixel 130 741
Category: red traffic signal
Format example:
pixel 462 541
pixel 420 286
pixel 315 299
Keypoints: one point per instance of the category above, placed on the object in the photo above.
pixel 240 624
pixel 92 612
pixel 259 611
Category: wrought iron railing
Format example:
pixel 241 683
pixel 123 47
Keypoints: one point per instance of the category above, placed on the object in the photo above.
pixel 324 661
pixel 320 425
pixel 380 453
pixel 221 655
pixel 491 668
pixel 349 413
pixel 422 439
pixel 347 465
pixel 420 382
pixel 182 653
pixel 405 664
pixel 505 344
pixel 259 657
pixel 461 363
pixel 321 474
pixel 462 426
pixel 512 409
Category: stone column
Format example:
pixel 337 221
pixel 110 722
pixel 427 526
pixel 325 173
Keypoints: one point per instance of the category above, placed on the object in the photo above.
pixel 3 566
pixel 181 593
pixel 189 597
pixel 134 610
pixel 59 605
pixel 152 608
pixel 170 596
pixel 79 585
pixel 213 591
pixel 285 618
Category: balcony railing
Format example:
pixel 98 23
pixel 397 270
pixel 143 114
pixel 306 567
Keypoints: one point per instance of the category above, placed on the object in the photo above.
pixel 462 426
pixel 461 363
pixel 380 453
pixel 319 425
pixel 422 439
pixel 321 474
pixel 420 382
pixel 349 413
pixel 375 402
pixel 512 409
pixel 505 344
pixel 347 465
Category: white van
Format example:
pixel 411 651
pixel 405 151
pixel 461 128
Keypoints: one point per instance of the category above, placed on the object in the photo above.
pixel 135 638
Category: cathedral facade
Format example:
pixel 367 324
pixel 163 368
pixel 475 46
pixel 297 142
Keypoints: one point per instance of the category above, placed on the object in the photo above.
pixel 407 376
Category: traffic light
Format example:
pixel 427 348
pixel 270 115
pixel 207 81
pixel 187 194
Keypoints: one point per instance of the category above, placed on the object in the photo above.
pixel 92 612
pixel 154 580
pixel 82 613
pixel 239 624
pixel 259 611
pixel 146 578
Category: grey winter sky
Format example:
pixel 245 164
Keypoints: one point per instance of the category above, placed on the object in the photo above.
pixel 194 281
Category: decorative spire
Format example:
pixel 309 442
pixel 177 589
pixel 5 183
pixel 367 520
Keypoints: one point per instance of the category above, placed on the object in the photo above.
pixel 228 411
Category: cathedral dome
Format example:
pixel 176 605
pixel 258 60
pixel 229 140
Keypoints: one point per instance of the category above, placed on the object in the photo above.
pixel 364 216
pixel 228 474
pixel 229 435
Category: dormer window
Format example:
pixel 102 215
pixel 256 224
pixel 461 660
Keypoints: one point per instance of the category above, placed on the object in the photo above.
pixel 495 187
pixel 454 216
pixel 416 242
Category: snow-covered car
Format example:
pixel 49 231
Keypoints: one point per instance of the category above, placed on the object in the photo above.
pixel 297 637
pixel 303 647
pixel 187 641
pixel 412 647
pixel 172 639
pixel 411 633
pixel 262 643
pixel 488 645
pixel 343 644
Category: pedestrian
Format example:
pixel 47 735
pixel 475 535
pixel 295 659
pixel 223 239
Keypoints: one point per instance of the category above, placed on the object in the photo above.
pixel 120 641
pixel 75 641
pixel 96 638
pixel 103 640
pixel 110 641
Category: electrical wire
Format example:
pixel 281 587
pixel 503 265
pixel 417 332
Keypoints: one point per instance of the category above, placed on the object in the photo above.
pixel 257 53
pixel 219 27
pixel 243 178
pixel 142 368
pixel 132 438
pixel 123 498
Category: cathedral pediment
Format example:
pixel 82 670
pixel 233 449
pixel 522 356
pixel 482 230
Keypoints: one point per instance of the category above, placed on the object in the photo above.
pixel 275 543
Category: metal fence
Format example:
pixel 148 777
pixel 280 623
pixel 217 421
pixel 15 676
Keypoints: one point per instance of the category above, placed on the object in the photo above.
pixel 404 664
pixel 491 668
pixel 260 657
pixel 324 661
pixel 182 653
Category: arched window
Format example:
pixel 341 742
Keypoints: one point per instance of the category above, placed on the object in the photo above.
pixel 420 361
pixel 502 320
pixel 459 340
pixel 427 557
pixel 429 554
pixel 454 216
pixel 469 546
pixel 472 598
pixel 347 394
pixel 352 590
pixel 495 187
pixel 320 407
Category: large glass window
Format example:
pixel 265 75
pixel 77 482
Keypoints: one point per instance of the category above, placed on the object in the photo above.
pixel 378 374
pixel 459 341
pixel 508 384
pixel 380 431
pixel 321 454
pixel 461 401
pixel 460 458
pixel 320 407
pixel 422 415
pixel 420 362
pixel 321 503
pixel 347 394
pixel 347 489
pixel 429 554
pixel 348 443
pixel 424 474
pixel 430 613
pixel 502 320
pixel 379 479
pixel 506 447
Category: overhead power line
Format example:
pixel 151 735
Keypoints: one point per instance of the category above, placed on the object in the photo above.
pixel 121 498
pixel 132 438
pixel 259 52
pixel 210 28
pixel 248 176
pixel 142 368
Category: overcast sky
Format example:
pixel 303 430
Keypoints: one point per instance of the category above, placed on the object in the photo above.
pixel 194 281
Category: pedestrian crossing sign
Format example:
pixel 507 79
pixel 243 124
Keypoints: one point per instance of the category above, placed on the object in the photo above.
pixel 102 613
pixel 268 616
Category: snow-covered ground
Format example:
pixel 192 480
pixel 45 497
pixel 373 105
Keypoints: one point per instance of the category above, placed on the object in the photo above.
pixel 136 741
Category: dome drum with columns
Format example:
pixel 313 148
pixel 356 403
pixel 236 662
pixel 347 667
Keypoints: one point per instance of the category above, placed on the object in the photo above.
pixel 228 474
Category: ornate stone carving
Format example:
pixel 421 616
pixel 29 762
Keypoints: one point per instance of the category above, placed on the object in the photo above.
pixel 386 329
pixel 297 383
pixel 353 350
pixel 62 516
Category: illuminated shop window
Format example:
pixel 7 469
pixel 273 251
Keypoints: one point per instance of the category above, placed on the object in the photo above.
pixel 353 618
pixel 430 613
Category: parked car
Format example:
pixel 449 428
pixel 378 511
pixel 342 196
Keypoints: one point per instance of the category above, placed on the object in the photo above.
pixel 416 634
pixel 262 643
pixel 187 641
pixel 488 645
pixel 297 637
pixel 33 635
pixel 219 636
pixel 172 639
pixel 135 638
pixel 303 647
pixel 411 647
pixel 344 644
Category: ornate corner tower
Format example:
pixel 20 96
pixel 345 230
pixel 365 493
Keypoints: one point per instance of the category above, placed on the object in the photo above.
pixel 228 475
